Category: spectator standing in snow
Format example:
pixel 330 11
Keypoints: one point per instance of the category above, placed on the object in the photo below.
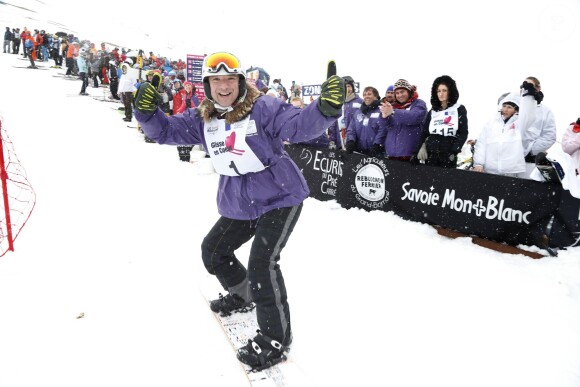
pixel 281 89
pixel 260 192
pixel 499 148
pixel 45 45
pixel 114 80
pixel 445 127
pixel 23 36
pixel 364 126
pixel 542 134
pixel 55 51
pixel 190 100
pixel 127 88
pixel 29 48
pixel 402 122
pixel 179 94
pixel 390 94
pixel 16 41
pixel 82 64
pixel 8 37
pixel 95 67
pixel 571 144
pixel 71 55
pixel 352 104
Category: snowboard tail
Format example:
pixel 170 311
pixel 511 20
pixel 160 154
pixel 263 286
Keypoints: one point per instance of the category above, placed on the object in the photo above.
pixel 242 326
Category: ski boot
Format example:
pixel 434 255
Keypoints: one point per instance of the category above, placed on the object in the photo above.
pixel 263 352
pixel 229 303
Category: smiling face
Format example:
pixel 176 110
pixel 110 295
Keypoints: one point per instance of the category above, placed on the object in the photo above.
pixel 402 95
pixel 225 89
pixel 369 97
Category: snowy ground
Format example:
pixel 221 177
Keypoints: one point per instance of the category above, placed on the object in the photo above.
pixel 375 300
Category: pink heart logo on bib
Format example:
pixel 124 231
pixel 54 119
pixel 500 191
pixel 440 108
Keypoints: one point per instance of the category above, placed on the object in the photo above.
pixel 231 140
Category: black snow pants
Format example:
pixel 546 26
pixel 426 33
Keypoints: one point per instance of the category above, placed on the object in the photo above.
pixel 262 282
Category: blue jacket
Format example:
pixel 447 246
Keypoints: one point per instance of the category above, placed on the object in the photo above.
pixel 247 196
pixel 363 127
pixel 400 132
pixel 82 64
pixel 350 107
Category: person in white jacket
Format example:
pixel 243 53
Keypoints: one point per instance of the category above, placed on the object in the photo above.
pixel 499 148
pixel 127 88
pixel 571 144
pixel 541 135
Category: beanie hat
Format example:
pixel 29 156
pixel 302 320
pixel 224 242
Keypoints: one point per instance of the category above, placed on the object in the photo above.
pixel 390 88
pixel 404 84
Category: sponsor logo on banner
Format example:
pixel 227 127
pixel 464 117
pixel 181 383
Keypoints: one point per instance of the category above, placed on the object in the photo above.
pixel 491 207
pixel 329 167
pixel 369 184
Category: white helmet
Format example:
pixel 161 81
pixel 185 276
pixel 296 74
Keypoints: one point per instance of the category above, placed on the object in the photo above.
pixel 129 61
pixel 223 63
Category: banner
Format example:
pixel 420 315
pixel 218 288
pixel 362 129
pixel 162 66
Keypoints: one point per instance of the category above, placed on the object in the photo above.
pixel 194 66
pixel 516 211
pixel 313 90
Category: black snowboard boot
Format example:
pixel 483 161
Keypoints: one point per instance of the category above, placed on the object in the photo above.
pixel 229 303
pixel 262 352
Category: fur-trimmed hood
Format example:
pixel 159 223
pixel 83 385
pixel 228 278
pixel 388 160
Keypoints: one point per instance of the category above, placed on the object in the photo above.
pixel 453 93
pixel 208 111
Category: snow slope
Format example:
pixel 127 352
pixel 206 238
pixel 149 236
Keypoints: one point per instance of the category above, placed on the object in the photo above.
pixel 375 300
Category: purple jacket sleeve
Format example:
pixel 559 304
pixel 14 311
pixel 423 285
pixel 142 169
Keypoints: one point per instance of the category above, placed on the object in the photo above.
pixel 180 129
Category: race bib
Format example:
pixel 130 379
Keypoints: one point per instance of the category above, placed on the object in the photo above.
pixel 444 123
pixel 227 147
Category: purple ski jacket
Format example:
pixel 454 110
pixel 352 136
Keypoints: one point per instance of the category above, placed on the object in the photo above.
pixel 280 184
pixel 400 133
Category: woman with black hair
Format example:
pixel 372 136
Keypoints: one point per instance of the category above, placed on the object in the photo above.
pixel 445 127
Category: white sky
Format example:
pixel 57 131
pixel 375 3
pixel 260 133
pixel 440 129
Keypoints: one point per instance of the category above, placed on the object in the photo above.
pixel 375 300
pixel 487 47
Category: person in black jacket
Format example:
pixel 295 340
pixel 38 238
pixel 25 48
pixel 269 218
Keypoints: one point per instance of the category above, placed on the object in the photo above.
pixel 8 36
pixel 16 41
pixel 445 127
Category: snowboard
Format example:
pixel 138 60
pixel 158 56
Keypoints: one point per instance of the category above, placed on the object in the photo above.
pixel 106 99
pixel 67 77
pixel 238 328
pixel 30 68
pixel 551 170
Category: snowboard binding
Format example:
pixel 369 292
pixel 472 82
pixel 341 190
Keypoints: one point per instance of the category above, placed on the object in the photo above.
pixel 551 170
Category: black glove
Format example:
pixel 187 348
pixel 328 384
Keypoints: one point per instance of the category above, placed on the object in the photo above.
pixel 349 146
pixel 147 98
pixel 528 89
pixel 377 150
pixel 156 80
pixel 539 97
pixel 332 95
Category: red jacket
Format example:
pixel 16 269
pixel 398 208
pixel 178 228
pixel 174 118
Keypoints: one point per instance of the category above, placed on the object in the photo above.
pixel 179 102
